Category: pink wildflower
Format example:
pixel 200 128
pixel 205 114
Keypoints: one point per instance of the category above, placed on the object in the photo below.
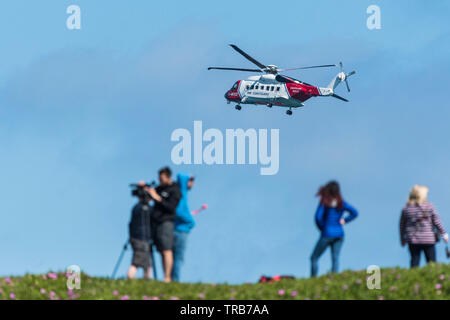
pixel 52 275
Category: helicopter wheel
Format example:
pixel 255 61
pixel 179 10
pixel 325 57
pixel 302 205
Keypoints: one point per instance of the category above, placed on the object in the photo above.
pixel 238 107
pixel 269 105
pixel 289 112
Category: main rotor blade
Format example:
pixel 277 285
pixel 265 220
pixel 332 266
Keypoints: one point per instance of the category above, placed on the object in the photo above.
pixel 311 67
pixel 235 69
pixel 259 64
pixel 334 95
pixel 346 83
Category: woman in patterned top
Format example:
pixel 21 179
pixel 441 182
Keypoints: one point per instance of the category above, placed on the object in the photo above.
pixel 420 226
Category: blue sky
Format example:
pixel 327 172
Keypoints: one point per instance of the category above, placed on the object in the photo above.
pixel 85 112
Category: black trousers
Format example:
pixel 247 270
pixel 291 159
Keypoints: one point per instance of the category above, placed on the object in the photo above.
pixel 416 249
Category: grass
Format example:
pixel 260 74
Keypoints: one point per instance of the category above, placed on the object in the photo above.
pixel 430 282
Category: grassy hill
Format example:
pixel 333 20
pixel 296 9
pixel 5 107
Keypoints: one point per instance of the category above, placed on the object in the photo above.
pixel 430 282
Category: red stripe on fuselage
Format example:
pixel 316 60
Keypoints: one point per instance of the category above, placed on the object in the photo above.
pixel 301 92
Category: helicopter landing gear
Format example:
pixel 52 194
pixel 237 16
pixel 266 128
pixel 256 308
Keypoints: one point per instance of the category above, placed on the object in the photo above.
pixel 238 107
pixel 289 112
pixel 269 105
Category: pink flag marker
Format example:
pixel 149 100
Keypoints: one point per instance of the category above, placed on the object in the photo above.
pixel 203 207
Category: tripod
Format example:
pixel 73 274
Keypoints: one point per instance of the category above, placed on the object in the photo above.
pixel 125 247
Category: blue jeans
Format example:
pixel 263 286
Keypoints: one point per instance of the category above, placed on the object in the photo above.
pixel 321 246
pixel 179 247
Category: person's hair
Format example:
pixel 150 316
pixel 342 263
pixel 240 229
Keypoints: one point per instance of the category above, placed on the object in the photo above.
pixel 166 171
pixel 418 194
pixel 330 193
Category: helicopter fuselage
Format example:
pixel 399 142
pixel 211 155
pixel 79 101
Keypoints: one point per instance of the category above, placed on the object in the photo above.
pixel 266 90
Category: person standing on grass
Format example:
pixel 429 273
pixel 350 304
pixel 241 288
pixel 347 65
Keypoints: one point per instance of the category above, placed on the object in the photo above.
pixel 183 224
pixel 140 237
pixel 330 220
pixel 165 197
pixel 420 226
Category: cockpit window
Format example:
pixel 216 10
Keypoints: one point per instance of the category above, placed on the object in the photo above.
pixel 234 86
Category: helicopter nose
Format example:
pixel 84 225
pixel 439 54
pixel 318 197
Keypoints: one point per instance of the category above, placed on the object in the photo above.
pixel 226 95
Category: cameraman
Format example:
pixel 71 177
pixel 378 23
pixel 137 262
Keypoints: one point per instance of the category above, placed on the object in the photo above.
pixel 140 237
pixel 166 197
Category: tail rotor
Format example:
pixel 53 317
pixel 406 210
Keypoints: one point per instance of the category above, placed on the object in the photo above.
pixel 344 76
pixel 340 77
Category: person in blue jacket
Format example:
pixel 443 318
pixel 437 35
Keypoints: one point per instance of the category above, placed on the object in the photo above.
pixel 330 220
pixel 183 224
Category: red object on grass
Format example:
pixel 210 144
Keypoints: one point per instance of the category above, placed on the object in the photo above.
pixel 269 279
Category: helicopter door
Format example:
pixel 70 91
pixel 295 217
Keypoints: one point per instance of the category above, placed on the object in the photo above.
pixel 273 93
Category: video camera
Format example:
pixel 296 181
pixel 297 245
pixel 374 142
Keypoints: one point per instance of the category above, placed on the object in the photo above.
pixel 140 192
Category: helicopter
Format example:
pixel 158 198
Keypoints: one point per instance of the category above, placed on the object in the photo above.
pixel 274 89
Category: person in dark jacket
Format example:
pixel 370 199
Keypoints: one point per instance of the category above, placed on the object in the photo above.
pixel 183 224
pixel 166 197
pixel 330 220
pixel 420 226
pixel 140 237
